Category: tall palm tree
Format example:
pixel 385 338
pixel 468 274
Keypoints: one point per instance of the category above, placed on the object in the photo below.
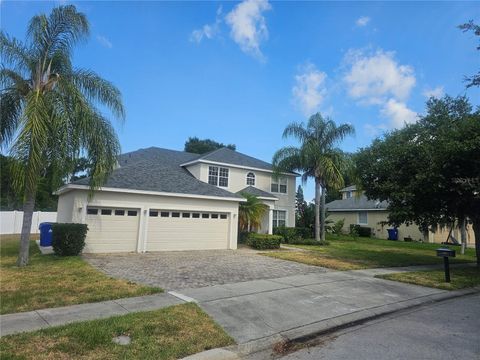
pixel 316 157
pixel 49 109
pixel 251 213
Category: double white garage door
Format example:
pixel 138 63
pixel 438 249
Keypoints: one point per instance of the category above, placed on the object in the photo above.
pixel 118 230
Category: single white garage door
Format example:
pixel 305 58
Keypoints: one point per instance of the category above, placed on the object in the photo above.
pixel 111 230
pixel 187 230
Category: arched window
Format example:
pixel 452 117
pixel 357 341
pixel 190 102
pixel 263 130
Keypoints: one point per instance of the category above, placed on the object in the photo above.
pixel 251 179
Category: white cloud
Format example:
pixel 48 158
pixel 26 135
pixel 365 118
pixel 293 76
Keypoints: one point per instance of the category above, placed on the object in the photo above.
pixel 208 31
pixel 248 26
pixel 104 41
pixel 398 113
pixel 371 79
pixel 436 92
pixel 375 130
pixel 309 89
pixel 362 21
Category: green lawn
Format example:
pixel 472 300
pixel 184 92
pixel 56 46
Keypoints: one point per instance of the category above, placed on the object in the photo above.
pixel 346 253
pixel 50 281
pixel 169 333
pixel 459 278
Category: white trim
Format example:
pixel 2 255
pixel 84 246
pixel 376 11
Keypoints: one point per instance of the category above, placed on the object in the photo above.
pixel 267 198
pixel 233 165
pixel 69 187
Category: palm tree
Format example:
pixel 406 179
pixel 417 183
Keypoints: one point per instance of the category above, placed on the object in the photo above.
pixel 49 114
pixel 316 157
pixel 251 213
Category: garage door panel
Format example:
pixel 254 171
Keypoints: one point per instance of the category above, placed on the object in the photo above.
pixel 169 233
pixel 111 233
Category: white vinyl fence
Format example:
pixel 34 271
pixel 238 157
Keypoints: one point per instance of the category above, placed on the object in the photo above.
pixel 11 221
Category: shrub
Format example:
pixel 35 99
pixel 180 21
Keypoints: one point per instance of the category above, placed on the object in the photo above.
pixel 363 231
pixel 242 236
pixel 291 234
pixel 309 242
pixel 264 241
pixel 338 226
pixel 68 239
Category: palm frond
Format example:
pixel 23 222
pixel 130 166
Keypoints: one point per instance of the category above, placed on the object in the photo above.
pixel 14 53
pixel 10 113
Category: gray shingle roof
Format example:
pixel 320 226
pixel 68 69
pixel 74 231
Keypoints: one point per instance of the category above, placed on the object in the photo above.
pixel 354 203
pixel 228 156
pixel 156 169
pixel 257 192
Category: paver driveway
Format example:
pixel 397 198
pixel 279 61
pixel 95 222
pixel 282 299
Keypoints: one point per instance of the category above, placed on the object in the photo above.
pixel 192 269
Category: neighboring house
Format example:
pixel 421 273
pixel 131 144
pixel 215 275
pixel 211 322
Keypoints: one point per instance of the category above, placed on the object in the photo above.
pixel 159 199
pixel 357 209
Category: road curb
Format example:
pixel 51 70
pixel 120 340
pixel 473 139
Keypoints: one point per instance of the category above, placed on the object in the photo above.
pixel 308 332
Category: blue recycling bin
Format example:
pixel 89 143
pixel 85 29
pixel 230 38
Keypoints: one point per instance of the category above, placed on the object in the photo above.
pixel 392 234
pixel 45 234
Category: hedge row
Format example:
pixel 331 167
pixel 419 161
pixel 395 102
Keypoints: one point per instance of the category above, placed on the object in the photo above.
pixel 263 241
pixel 363 231
pixel 293 234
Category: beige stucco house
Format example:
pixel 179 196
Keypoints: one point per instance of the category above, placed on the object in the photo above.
pixel 355 208
pixel 159 199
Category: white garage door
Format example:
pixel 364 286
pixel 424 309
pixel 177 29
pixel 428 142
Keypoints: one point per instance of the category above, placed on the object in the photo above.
pixel 187 230
pixel 111 230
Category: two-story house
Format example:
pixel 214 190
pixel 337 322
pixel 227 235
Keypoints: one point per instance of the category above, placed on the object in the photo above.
pixel 159 199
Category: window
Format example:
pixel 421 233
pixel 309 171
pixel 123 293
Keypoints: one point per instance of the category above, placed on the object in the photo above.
pixel 349 194
pixel 119 212
pixel 205 216
pixel 185 215
pixel 106 212
pixel 175 214
pixel 213 175
pixel 195 215
pixel 362 217
pixel 223 216
pixel 218 176
pixel 279 218
pixel 153 213
pixel 251 179
pixel 92 211
pixel 279 185
pixel 214 216
pixel 132 212
pixel 164 214
pixel 223 178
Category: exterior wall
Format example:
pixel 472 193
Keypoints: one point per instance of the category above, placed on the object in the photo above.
pixel 195 170
pixel 440 235
pixel 65 207
pixel 374 217
pixel 80 201
pixel 263 180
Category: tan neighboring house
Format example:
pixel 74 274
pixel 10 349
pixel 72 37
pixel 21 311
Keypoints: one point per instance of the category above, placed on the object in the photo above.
pixel 357 209
pixel 159 199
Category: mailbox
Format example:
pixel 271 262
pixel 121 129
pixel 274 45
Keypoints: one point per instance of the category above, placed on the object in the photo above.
pixel 445 252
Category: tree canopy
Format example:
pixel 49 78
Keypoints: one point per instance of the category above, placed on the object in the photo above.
pixel 473 80
pixel 202 146
pixel 429 172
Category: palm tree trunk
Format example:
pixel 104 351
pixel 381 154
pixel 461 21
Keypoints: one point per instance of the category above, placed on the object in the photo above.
pixel 28 207
pixel 317 209
pixel 323 214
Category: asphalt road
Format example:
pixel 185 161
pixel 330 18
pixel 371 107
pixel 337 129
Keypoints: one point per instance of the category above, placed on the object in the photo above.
pixel 446 330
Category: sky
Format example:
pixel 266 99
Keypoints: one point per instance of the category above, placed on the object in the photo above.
pixel 239 72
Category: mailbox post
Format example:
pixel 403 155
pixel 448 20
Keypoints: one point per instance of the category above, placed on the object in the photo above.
pixel 446 253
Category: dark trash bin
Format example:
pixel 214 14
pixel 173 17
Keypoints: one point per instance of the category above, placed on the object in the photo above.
pixel 392 234
pixel 45 234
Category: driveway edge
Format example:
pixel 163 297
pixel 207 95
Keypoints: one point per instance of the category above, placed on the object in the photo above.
pixel 311 331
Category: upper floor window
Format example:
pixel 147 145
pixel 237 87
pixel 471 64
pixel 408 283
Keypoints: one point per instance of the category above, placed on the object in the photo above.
pixel 218 176
pixel 279 185
pixel 251 179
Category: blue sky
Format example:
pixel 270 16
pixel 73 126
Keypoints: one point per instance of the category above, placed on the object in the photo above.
pixel 239 72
